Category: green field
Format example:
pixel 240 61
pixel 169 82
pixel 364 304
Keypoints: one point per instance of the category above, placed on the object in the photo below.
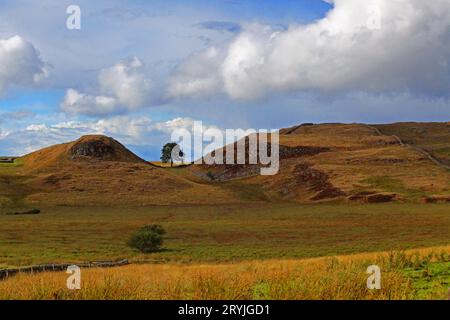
pixel 226 233
pixel 16 163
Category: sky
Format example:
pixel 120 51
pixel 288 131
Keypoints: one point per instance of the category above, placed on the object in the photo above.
pixel 137 70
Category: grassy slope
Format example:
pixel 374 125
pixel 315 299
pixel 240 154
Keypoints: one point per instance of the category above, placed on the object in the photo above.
pixel 222 233
pixel 433 137
pixel 49 178
pixel 359 160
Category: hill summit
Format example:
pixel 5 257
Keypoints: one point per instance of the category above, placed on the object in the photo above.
pixel 98 170
pixel 101 147
pixel 406 162
pixel 90 148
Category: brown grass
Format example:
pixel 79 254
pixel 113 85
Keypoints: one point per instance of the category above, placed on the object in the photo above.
pixel 433 137
pixel 322 278
pixel 53 176
pixel 357 156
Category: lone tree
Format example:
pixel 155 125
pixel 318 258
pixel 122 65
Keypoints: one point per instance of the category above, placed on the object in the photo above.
pixel 172 152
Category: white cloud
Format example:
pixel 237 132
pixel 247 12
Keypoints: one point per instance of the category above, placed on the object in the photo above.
pixel 127 83
pixel 4 133
pixel 80 103
pixel 20 64
pixel 139 133
pixel 198 76
pixel 122 87
pixel 174 124
pixel 373 46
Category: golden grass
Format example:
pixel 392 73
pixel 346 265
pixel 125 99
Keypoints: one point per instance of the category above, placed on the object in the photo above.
pixel 167 164
pixel 357 154
pixel 321 278
pixel 51 177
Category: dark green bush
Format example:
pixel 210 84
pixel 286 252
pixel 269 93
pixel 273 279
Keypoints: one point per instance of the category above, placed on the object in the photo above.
pixel 147 239
pixel 154 228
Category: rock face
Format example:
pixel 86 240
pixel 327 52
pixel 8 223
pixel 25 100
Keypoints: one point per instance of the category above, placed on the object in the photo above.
pixel 226 172
pixel 317 181
pixel 101 148
pixel 373 197
pixel 94 149
pixel 300 151
pixel 437 199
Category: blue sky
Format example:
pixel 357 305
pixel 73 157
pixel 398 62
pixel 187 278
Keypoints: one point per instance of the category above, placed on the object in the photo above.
pixel 138 69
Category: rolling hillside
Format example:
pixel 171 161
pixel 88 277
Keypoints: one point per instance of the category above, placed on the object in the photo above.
pixel 97 170
pixel 431 137
pixel 327 162
pixel 351 162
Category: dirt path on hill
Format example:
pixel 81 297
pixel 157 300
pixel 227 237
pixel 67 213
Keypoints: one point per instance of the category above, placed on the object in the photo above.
pixel 418 149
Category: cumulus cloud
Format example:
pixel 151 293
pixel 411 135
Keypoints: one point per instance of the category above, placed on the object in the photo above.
pixel 141 134
pixel 126 82
pixel 121 87
pixel 372 46
pixel 20 64
pixel 198 76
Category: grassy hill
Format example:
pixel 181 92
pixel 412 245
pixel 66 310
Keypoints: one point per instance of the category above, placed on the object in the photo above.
pixel 356 163
pixel 327 162
pixel 96 170
pixel 432 137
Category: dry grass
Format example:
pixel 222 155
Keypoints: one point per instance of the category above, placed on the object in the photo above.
pixel 323 278
pixel 54 176
pixel 433 137
pixel 358 154
pixel 167 164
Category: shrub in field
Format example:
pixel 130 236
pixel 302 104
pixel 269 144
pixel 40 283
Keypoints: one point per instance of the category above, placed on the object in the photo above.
pixel 154 228
pixel 148 238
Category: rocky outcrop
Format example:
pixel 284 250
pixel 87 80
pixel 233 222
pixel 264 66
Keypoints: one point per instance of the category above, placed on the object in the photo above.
pixel 317 181
pixel 95 149
pixel 373 197
pixel 437 199
pixel 224 172
pixel 99 147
